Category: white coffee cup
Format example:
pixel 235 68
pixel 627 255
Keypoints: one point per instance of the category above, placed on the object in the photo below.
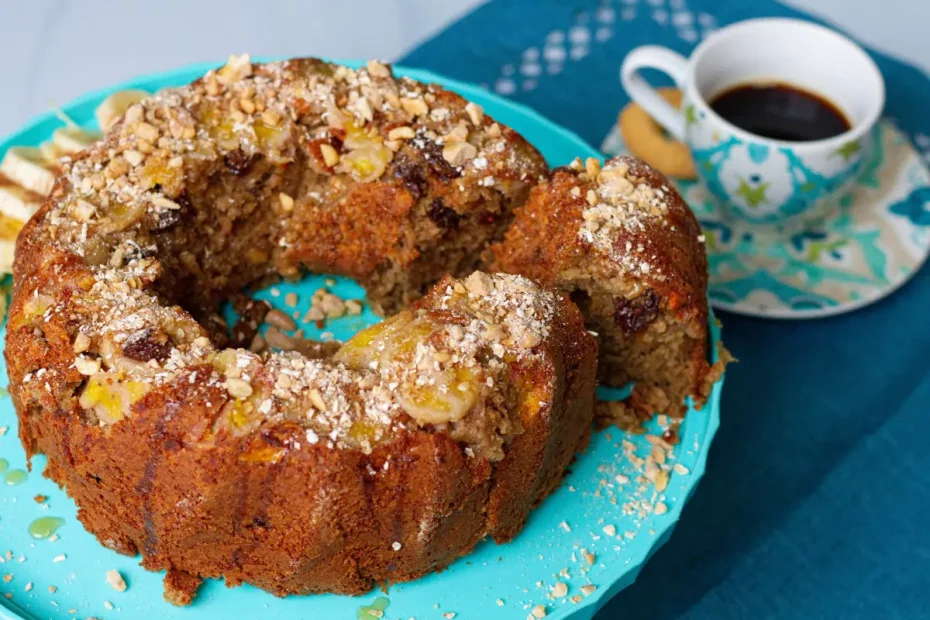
pixel 760 179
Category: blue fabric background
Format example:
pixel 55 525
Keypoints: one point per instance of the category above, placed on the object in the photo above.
pixel 815 503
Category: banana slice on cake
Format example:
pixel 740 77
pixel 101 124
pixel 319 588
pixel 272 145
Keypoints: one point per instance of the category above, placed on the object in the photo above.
pixel 114 106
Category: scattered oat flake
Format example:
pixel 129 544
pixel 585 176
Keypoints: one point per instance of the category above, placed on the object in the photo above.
pixel 610 530
pixel 61 557
pixel 660 508
pixel 588 556
pixel 565 526
pixel 576 599
pixel 3 430
pixel 681 470
pixel 108 605
pixel 449 614
pixel 53 538
pixel 28 587
pixel 500 602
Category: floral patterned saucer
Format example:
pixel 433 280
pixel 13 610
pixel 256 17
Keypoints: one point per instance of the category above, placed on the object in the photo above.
pixel 875 240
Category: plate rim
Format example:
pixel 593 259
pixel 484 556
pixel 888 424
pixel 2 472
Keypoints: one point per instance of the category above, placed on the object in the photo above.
pixel 594 602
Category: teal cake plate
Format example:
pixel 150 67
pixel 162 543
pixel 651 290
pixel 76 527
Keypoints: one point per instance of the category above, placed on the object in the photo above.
pixel 593 535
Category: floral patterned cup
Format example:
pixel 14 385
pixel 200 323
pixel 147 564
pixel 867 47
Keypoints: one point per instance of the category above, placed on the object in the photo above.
pixel 761 180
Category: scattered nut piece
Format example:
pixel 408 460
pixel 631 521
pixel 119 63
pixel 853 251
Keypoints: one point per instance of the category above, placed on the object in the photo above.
pixel 559 590
pixel 660 508
pixel 538 612
pixel 610 530
pixel 291 299
pixel 280 320
pixel 588 589
pixel 287 203
pixel 116 581
pixel 661 481
pixel 681 470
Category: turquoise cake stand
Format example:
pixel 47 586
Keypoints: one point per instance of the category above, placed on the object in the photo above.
pixel 600 513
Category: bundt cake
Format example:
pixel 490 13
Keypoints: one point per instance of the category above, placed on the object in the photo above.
pixel 389 458
pixel 425 433
pixel 621 242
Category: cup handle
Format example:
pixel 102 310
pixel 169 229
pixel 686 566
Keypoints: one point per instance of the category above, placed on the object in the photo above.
pixel 667 61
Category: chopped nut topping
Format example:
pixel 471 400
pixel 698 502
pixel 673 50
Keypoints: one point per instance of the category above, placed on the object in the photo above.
pixel 559 590
pixel 134 157
pixel 147 131
pixel 588 589
pixel 538 612
pixel 378 69
pixel 414 107
pixel 475 113
pixel 165 203
pixel 401 133
pixel 459 153
pixel 287 203
pixel 87 366
pixel 330 156
pixel 660 508
pixel 317 400
pixel 238 388
pixel 593 167
pixel 81 342
pixel 236 68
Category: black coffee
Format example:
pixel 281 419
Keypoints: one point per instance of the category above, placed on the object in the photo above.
pixel 780 112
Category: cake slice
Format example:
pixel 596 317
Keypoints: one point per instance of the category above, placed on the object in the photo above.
pixel 621 242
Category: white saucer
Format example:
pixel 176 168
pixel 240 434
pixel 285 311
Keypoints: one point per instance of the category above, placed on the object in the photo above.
pixel 875 241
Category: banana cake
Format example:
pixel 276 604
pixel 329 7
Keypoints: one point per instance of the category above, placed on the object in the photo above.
pixel 445 423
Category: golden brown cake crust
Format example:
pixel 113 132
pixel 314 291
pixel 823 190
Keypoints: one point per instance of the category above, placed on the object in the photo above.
pixel 296 475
